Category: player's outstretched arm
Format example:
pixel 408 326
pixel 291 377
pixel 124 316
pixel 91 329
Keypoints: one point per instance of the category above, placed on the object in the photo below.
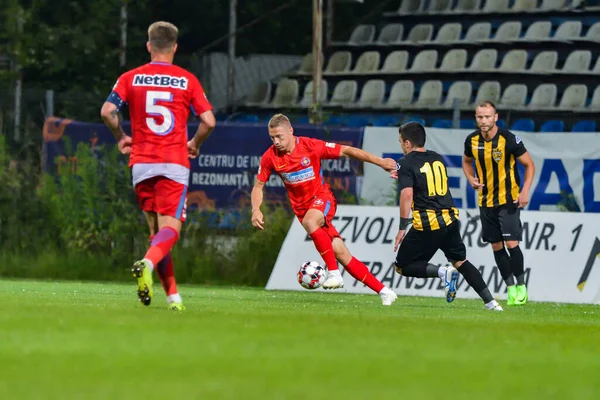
pixel 256 200
pixel 203 132
pixel 388 164
pixel 110 116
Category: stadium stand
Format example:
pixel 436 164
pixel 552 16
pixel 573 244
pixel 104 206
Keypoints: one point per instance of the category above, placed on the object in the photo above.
pixel 539 60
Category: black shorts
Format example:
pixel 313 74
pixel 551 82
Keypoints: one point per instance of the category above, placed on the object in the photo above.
pixel 501 223
pixel 420 246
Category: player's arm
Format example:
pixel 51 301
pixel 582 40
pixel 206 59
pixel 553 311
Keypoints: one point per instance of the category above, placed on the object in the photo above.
pixel 110 113
pixel 256 199
pixel 202 133
pixel 388 164
pixel 467 166
pixel 405 183
pixel 526 160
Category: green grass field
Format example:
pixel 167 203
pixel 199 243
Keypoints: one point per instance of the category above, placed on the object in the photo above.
pixel 68 340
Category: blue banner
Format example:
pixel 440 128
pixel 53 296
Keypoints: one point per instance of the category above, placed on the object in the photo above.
pixel 223 174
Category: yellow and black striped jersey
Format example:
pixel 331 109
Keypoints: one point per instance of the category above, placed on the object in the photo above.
pixel 433 206
pixel 495 165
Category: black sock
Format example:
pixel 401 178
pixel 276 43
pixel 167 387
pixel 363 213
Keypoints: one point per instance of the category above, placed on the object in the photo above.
pixel 503 263
pixel 516 264
pixel 432 270
pixel 475 280
pixel 420 270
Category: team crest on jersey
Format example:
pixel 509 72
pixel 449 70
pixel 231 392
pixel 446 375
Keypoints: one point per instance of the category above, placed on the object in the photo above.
pixel 305 161
pixel 318 202
pixel 497 155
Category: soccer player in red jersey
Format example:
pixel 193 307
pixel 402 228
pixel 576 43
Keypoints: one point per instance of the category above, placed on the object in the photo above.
pixel 160 96
pixel 297 160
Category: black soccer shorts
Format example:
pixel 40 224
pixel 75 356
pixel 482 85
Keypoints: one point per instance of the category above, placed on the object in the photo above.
pixel 501 223
pixel 420 246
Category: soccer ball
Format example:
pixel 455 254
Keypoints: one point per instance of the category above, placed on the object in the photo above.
pixel 311 275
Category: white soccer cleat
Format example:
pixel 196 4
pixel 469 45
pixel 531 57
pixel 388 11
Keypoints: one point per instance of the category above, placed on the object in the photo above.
pixel 387 296
pixel 334 280
pixel 450 281
pixel 493 306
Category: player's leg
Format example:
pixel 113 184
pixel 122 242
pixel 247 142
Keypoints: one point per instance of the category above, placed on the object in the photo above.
pixel 512 231
pixel 360 272
pixel 142 272
pixel 455 251
pixel 491 232
pixel 313 221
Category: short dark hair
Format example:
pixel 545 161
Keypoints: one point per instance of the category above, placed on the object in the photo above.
pixel 414 132
pixel 488 103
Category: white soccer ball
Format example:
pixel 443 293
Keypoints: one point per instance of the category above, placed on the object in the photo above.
pixel 311 275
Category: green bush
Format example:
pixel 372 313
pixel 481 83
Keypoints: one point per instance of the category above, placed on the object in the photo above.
pixel 84 223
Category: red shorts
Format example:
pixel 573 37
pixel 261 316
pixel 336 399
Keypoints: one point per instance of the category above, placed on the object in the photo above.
pixel 162 195
pixel 324 202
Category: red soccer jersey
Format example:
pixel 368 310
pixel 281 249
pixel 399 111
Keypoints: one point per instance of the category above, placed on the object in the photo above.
pixel 160 96
pixel 300 171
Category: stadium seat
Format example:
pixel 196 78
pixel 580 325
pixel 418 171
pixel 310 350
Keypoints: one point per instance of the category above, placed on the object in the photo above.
pixel 550 5
pixel 344 93
pixel 460 92
pixel 468 124
pixel 539 30
pixel 467 6
pixel 454 60
pixel 525 125
pixel 593 33
pixel 401 94
pixel 362 34
pixel 568 30
pixel 372 94
pixel 514 60
pixel 544 62
pixel 496 6
pixel 595 103
pixel 544 97
pixel 386 120
pixel 596 69
pixel 513 96
pixel 555 125
pixel 424 61
pixel 286 93
pixel 368 63
pixel 420 33
pixel 508 31
pixel 574 97
pixel 584 126
pixel 307 96
pixel 306 67
pixel 442 123
pixel 260 95
pixel 391 33
pixel 488 91
pixel 439 6
pixel 524 5
pixel 339 62
pixel 578 61
pixel 477 32
pixel 395 62
pixel 449 32
pixel 430 95
pixel 484 60
pixel 410 6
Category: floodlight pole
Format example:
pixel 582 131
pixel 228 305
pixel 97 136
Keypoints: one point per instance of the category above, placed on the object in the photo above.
pixel 317 57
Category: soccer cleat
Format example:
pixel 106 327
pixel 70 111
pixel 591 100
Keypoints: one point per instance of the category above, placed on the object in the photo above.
pixel 493 306
pixel 387 296
pixel 521 297
pixel 450 280
pixel 176 306
pixel 334 280
pixel 511 295
pixel 143 275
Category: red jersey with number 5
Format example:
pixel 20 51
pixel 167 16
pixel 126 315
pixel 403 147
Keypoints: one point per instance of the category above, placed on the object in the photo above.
pixel 300 170
pixel 160 97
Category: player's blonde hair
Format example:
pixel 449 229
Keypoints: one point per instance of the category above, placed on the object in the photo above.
pixel 162 36
pixel 278 120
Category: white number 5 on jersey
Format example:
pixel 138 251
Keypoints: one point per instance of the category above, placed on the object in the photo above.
pixel 154 110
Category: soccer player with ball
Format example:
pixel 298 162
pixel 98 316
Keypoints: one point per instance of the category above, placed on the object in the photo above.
pixel 297 160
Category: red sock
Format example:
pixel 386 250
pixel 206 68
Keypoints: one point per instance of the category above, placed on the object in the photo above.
pixel 361 273
pixel 162 243
pixel 323 244
pixel 166 275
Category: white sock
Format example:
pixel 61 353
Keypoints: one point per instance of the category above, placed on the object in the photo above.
pixel 149 264
pixel 442 272
pixel 335 272
pixel 174 298
pixel 491 304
